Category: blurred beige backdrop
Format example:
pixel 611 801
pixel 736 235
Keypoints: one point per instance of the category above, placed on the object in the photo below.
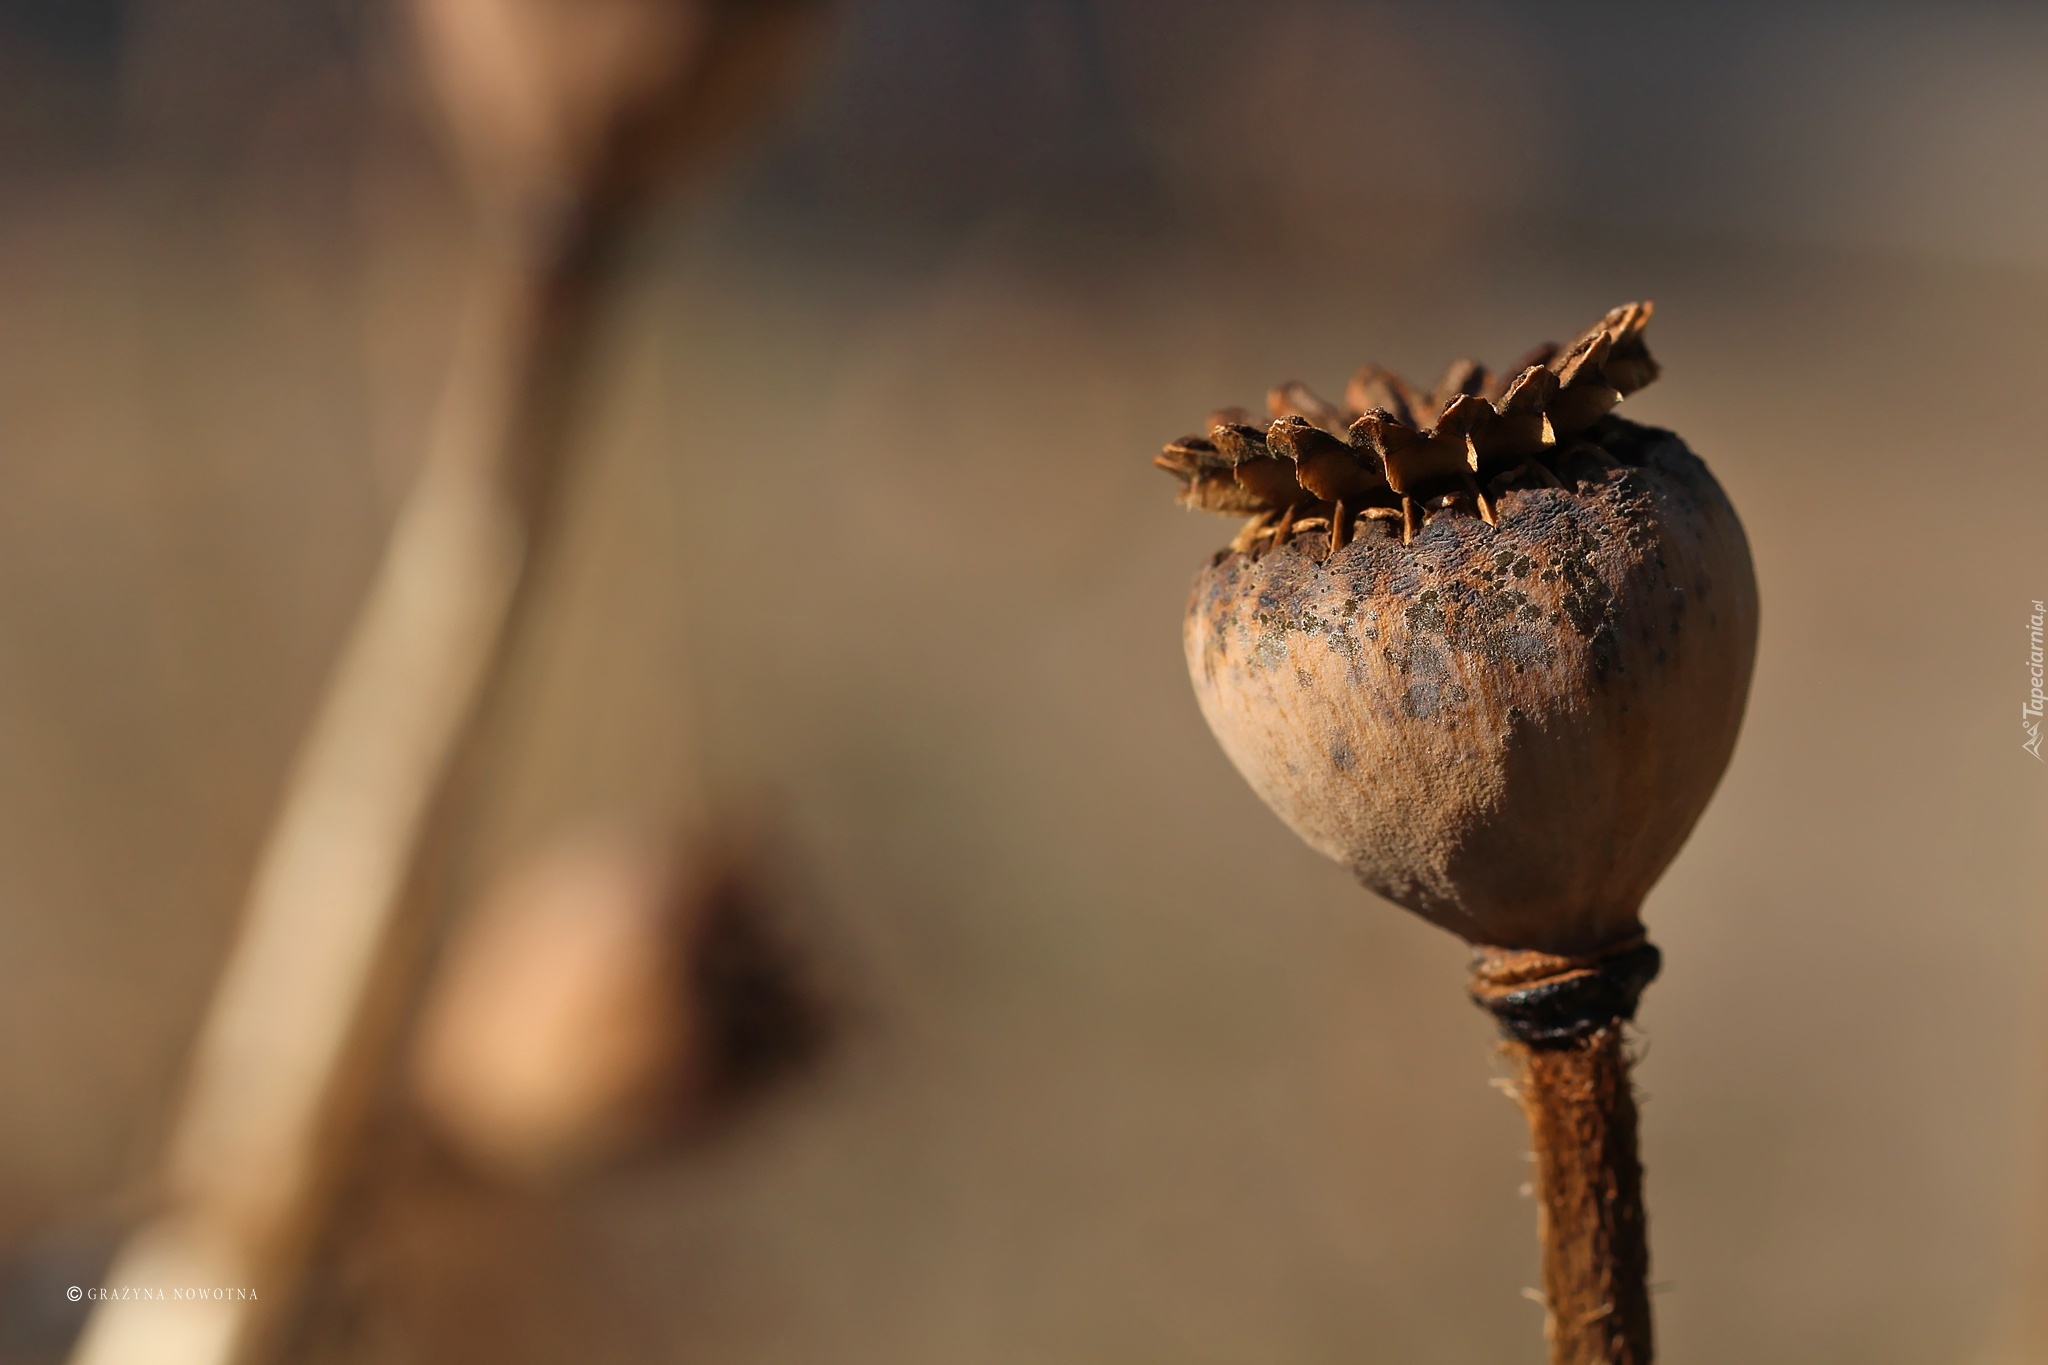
pixel 866 535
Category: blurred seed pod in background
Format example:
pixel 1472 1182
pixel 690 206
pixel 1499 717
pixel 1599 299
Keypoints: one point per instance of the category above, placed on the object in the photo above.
pixel 555 102
pixel 612 993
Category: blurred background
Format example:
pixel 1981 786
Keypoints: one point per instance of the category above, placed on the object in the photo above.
pixel 863 534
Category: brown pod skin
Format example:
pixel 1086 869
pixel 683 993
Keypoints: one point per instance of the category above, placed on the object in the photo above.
pixel 1509 729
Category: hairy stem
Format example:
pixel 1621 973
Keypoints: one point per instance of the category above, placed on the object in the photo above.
pixel 1589 1189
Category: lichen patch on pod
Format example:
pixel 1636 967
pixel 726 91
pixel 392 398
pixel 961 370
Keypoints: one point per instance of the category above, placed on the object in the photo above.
pixel 1504 684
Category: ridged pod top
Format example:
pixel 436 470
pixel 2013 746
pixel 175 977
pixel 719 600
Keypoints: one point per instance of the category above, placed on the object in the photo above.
pixel 1392 448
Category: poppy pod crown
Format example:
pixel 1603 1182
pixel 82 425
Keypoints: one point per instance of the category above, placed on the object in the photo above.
pixel 1487 645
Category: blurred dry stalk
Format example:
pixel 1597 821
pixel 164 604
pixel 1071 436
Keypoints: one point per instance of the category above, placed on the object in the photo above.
pixel 567 115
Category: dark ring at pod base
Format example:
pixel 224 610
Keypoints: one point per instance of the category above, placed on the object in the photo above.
pixel 1557 1011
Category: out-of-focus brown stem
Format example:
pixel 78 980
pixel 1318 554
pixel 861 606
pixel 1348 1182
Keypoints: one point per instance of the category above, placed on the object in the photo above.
pixel 1589 1190
pixel 570 116
pixel 281 1068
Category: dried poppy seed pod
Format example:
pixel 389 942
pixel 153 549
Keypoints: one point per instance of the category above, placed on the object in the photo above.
pixel 1489 648
pixel 1509 728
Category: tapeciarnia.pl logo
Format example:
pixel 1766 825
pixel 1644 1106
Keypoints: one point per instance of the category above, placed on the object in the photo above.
pixel 2030 714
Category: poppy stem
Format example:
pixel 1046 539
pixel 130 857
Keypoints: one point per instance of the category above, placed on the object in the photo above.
pixel 1563 1023
pixel 1589 1190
